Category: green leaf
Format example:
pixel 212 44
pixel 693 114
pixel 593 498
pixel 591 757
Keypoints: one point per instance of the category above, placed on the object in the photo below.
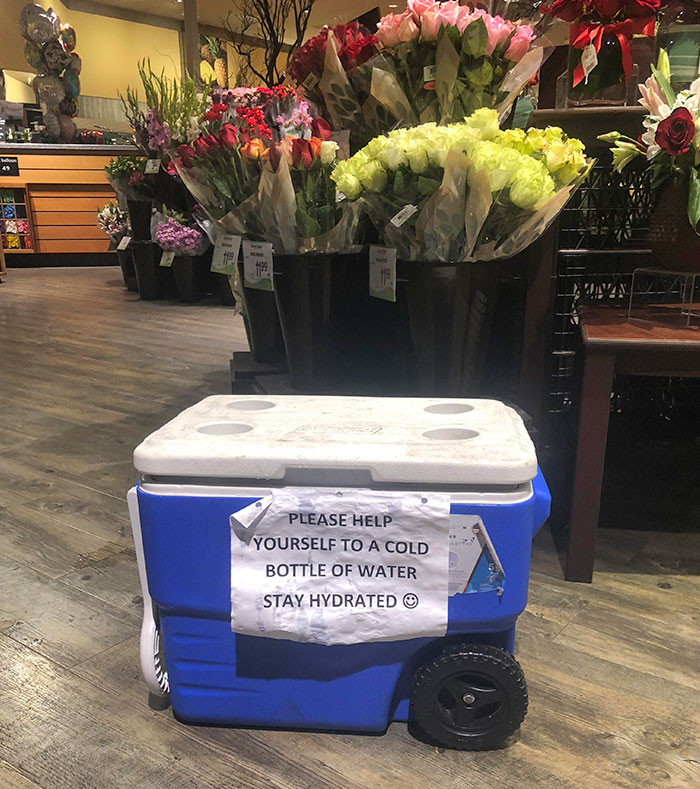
pixel 665 86
pixel 694 199
pixel 475 39
pixel 307 226
pixel 426 186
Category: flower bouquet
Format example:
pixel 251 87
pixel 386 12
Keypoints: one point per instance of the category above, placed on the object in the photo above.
pixel 335 70
pixel 600 54
pixel 279 110
pixel 466 191
pixel 451 60
pixel 442 196
pixel 113 221
pixel 670 146
pixel 127 176
pixel 188 245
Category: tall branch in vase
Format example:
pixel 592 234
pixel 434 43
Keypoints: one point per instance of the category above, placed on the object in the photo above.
pixel 278 25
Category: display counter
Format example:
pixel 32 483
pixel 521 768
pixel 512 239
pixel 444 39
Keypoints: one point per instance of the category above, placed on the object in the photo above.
pixel 50 196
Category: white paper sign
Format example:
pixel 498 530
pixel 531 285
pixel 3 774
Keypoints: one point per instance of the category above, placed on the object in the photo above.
pixel 257 265
pixel 382 273
pixel 166 259
pixel 225 255
pixel 341 566
pixel 429 77
pixel 311 81
pixel 589 59
pixel 474 565
pixel 124 243
pixel 152 166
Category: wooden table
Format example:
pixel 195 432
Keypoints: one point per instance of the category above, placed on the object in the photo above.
pixel 613 344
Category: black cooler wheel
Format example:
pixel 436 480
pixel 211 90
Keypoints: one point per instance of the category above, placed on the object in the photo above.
pixel 471 697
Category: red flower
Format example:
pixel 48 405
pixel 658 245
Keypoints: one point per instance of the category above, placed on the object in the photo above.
pixel 675 133
pixel 321 128
pixel 228 136
pixel 274 155
pixel 302 155
pixel 636 8
pixel 358 51
pixel 568 10
pixel 607 9
pixel 187 154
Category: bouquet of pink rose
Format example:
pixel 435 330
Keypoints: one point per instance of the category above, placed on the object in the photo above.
pixel 452 60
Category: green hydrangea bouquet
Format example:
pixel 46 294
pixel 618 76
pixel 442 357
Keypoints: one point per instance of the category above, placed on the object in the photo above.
pixel 467 191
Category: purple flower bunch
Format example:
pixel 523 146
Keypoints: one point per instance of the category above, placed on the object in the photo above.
pixel 173 236
pixel 157 134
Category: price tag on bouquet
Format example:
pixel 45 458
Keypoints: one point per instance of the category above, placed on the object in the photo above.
pixel 257 265
pixel 382 273
pixel 152 166
pixel 166 259
pixel 124 243
pixel 225 254
pixel 589 60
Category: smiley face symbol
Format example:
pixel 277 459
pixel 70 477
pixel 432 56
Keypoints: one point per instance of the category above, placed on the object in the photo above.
pixel 410 600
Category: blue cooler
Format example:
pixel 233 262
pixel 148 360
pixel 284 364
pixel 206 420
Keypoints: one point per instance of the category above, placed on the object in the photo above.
pixel 204 474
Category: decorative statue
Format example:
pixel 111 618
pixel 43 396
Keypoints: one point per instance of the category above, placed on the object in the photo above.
pixel 50 52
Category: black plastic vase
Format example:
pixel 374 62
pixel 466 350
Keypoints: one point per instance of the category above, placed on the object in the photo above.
pixel 450 309
pixel 126 263
pixel 140 219
pixel 151 277
pixel 262 323
pixel 192 278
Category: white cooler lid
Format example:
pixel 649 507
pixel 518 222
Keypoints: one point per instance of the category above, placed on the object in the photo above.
pixel 406 440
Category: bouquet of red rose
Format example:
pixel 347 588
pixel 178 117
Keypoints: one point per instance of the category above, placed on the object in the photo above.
pixel 335 69
pixel 221 168
pixel 299 206
pixel 598 22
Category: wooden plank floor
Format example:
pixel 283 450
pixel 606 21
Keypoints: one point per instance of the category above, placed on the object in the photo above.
pixel 86 371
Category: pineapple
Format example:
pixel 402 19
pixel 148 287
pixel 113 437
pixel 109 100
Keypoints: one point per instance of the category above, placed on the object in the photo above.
pixel 219 57
pixel 205 50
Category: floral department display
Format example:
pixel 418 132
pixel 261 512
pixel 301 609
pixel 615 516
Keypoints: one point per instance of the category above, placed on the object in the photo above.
pixel 670 147
pixel 114 222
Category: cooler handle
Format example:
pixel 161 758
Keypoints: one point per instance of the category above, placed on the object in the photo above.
pixel 543 501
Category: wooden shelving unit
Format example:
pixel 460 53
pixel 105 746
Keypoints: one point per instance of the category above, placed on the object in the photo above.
pixel 16 232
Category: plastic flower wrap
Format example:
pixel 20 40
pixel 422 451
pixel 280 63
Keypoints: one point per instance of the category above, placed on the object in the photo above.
pixel 335 70
pixel 451 59
pixel 299 209
pixel 465 191
pixel 113 221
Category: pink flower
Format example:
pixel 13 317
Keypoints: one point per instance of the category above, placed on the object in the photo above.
pixel 449 13
pixel 466 16
pixel 520 43
pixel 419 7
pixel 430 23
pixel 498 30
pixel 395 28
pixel 653 100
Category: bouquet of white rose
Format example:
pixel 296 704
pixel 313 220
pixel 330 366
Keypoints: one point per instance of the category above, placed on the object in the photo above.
pixel 467 191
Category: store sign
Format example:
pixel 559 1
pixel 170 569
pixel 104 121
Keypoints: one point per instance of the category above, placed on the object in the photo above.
pixel 382 273
pixel 257 265
pixel 225 254
pixel 342 566
pixel 9 166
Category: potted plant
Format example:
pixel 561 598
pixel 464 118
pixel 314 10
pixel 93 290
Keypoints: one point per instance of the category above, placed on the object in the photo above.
pixel 451 201
pixel 115 223
pixel 670 149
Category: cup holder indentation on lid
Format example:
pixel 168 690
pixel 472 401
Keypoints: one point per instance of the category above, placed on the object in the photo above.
pixel 252 405
pixel 449 408
pixel 451 434
pixel 224 428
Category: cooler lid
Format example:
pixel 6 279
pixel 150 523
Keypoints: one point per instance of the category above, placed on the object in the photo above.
pixel 405 440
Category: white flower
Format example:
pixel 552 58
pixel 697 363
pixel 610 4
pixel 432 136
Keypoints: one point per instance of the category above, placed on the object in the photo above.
pixel 328 152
